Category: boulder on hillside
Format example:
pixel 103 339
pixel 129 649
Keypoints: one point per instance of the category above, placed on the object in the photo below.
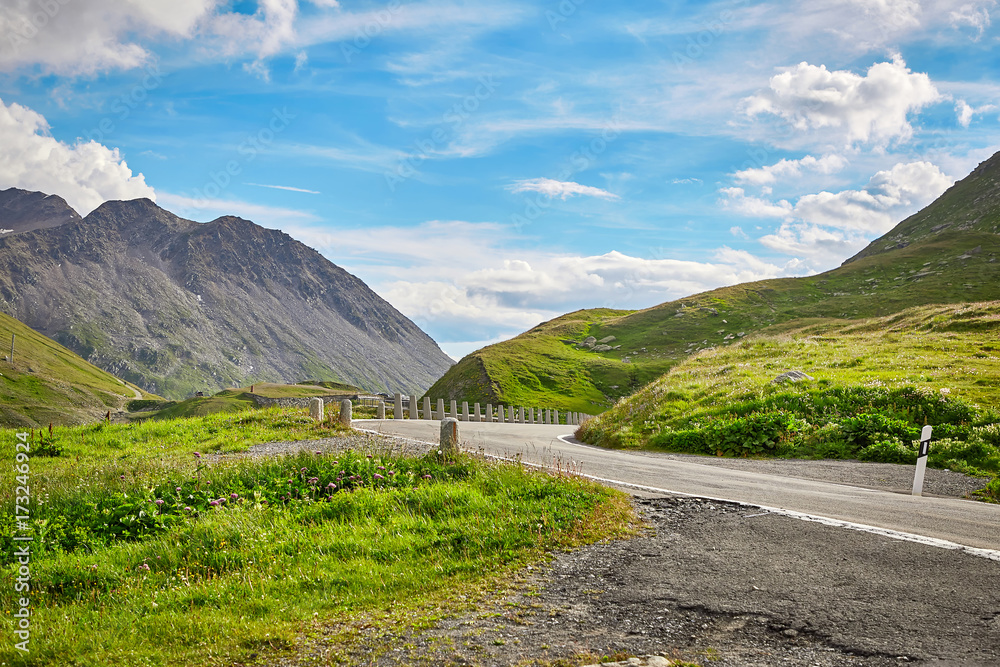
pixel 792 376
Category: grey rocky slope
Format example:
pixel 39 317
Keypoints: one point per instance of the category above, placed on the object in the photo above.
pixel 176 306
pixel 25 211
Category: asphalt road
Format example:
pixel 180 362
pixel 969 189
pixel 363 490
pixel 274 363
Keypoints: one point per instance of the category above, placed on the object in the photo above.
pixel 969 524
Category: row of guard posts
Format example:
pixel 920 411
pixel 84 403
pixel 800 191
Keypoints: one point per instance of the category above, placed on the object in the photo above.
pixel 500 414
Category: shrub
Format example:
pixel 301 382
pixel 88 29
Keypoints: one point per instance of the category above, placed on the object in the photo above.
pixel 871 427
pixel 889 451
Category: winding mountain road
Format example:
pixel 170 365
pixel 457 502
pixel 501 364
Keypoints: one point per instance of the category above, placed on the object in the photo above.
pixel 946 522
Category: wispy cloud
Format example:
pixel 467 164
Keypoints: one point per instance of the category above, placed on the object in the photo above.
pixel 562 189
pixel 285 187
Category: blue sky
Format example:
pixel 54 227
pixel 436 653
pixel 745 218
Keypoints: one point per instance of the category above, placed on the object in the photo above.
pixel 485 166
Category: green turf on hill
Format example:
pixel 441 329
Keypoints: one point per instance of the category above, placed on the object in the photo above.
pixel 874 383
pixel 48 383
pixel 945 254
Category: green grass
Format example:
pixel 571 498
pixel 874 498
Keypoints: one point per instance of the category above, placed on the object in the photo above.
pixel 119 578
pixel 48 383
pixel 876 381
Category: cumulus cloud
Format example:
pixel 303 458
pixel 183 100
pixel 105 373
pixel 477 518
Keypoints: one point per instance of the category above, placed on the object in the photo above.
pixel 889 196
pixel 868 109
pixel 561 189
pixel 789 169
pixel 90 36
pixel 738 201
pixel 85 174
pixel 829 226
pixel 87 37
pixel 819 246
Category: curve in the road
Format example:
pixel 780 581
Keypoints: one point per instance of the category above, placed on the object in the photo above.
pixel 950 523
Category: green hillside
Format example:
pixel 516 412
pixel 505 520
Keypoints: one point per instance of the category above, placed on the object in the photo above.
pixel 46 383
pixel 871 385
pixel 945 254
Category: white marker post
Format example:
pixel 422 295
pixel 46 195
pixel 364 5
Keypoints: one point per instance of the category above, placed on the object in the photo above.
pixel 925 448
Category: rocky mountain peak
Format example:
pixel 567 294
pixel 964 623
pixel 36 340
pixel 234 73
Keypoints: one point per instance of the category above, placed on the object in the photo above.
pixel 25 211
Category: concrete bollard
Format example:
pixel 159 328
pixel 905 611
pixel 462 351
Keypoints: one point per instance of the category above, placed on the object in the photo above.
pixel 489 413
pixel 345 412
pixel 520 415
pixel 414 408
pixel 477 416
pixel 510 414
pixel 465 411
pixel 380 410
pixel 531 415
pixel 454 409
pixel 449 436
pixel 555 417
pixel 316 409
pixel 501 414
pixel 427 408
pixel 440 411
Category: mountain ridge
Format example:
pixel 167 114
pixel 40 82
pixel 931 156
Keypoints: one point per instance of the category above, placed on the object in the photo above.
pixel 178 306
pixel 25 211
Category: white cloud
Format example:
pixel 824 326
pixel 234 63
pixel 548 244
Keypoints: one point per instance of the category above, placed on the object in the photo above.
pixel 85 174
pixel 820 246
pixel 872 108
pixel 285 187
pixel 789 169
pixel 825 227
pixel 972 15
pixel 84 37
pixel 889 196
pixel 737 200
pixel 965 112
pixel 561 189
pixel 738 232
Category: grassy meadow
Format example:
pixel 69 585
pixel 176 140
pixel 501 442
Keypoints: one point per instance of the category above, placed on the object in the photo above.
pixel 151 550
